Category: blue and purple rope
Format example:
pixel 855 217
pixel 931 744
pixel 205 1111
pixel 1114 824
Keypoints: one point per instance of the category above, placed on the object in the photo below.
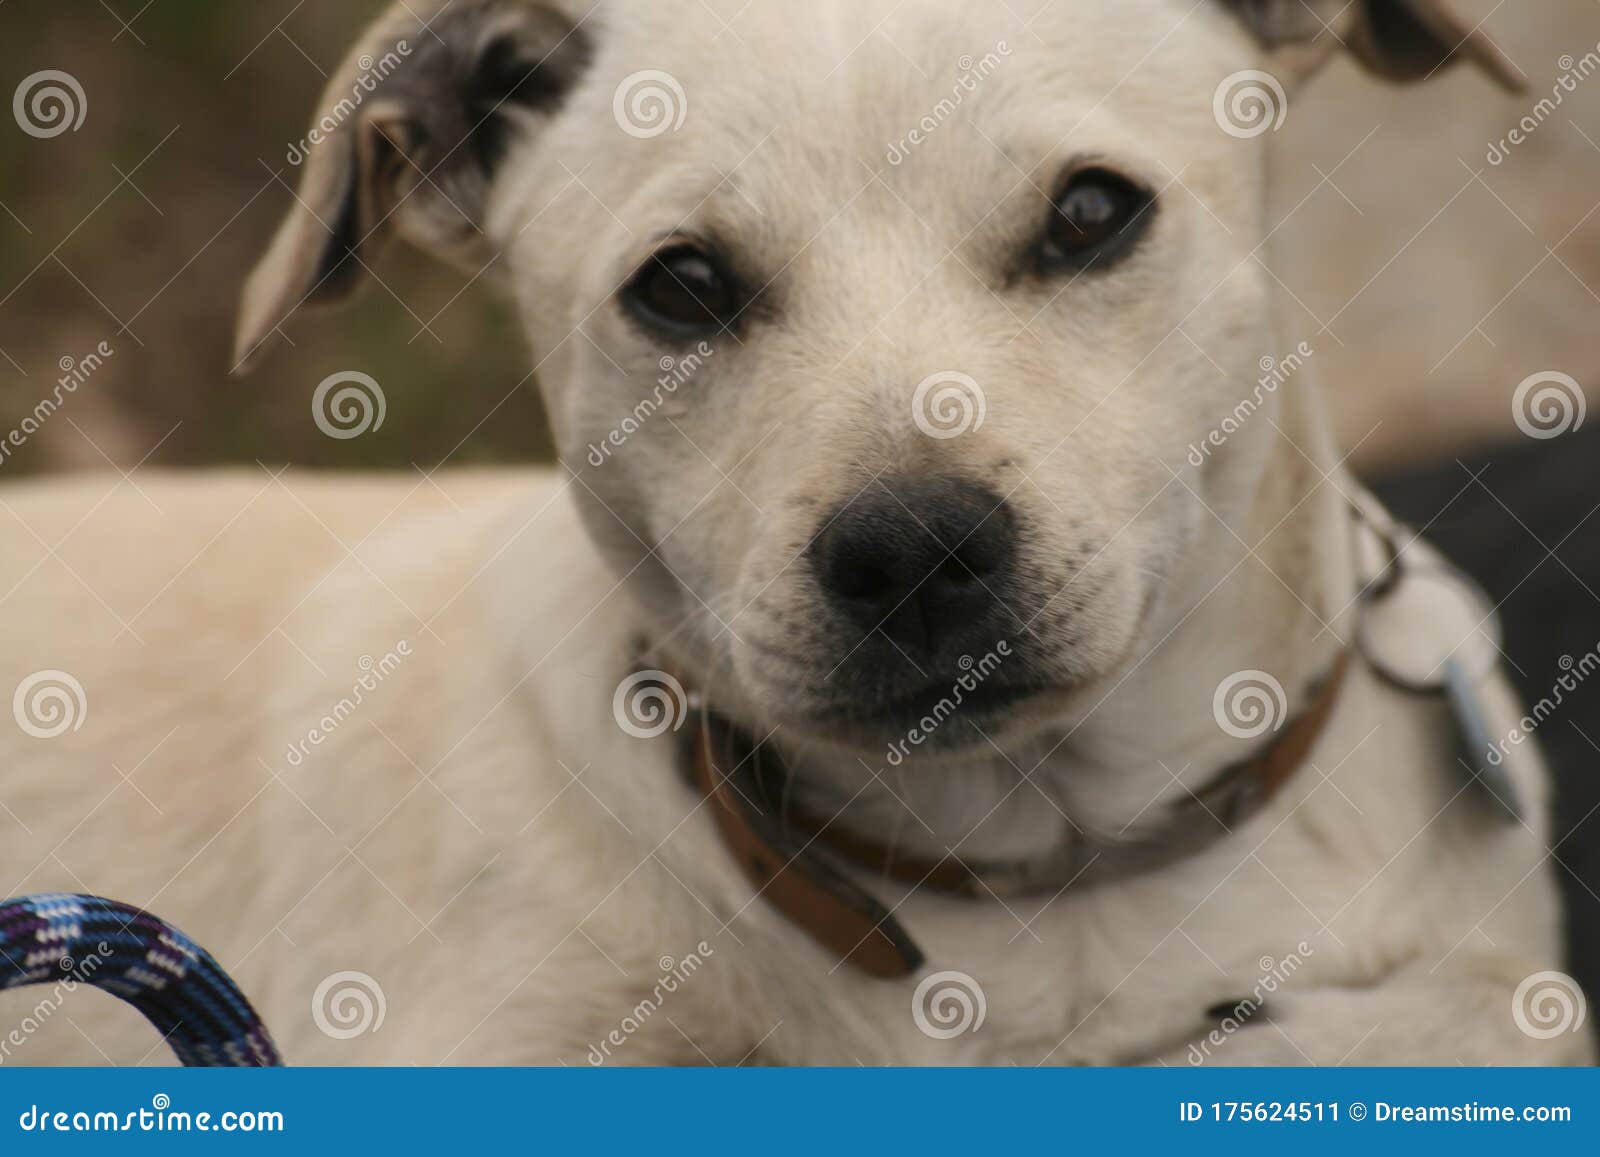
pixel 60 938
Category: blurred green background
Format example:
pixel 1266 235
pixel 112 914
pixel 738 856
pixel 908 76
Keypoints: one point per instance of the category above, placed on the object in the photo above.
pixel 139 229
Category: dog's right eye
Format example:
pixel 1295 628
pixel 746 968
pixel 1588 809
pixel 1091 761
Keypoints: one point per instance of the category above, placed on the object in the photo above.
pixel 682 292
pixel 1095 219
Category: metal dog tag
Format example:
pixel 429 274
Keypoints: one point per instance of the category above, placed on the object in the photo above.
pixel 1431 631
pixel 1477 739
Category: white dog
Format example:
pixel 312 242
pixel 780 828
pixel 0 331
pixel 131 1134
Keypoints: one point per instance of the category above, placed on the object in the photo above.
pixel 906 365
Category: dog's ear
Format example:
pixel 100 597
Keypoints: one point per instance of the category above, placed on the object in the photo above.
pixel 411 132
pixel 1397 39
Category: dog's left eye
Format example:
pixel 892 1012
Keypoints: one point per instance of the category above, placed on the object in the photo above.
pixel 1095 218
pixel 682 291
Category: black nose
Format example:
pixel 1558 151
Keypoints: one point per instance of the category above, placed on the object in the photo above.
pixel 926 560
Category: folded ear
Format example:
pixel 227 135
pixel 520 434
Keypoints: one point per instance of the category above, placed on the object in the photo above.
pixel 411 133
pixel 1397 39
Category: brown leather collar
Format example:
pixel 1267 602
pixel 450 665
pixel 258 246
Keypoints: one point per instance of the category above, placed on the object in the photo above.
pixel 795 860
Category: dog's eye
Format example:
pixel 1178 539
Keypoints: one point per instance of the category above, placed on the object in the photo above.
pixel 682 291
pixel 1098 214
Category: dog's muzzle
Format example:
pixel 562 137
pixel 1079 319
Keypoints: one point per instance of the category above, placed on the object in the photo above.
pixel 927 562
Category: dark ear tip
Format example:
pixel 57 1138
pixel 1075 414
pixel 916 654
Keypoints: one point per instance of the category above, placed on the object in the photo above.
pixel 1510 79
pixel 1400 40
pixel 246 357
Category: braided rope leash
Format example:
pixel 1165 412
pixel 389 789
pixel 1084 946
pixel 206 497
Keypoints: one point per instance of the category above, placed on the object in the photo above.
pixel 68 939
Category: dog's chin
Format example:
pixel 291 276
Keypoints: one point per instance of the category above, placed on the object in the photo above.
pixel 923 723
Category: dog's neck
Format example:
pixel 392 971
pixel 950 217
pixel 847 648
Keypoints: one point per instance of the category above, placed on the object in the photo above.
pixel 1257 594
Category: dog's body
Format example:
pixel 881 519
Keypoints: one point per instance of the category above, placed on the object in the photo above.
pixel 528 882
pixel 552 918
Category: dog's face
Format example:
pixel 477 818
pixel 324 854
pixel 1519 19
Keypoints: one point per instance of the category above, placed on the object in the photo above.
pixel 879 338
pixel 944 336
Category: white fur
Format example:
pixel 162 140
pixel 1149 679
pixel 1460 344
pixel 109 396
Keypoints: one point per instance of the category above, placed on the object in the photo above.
pixel 480 836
